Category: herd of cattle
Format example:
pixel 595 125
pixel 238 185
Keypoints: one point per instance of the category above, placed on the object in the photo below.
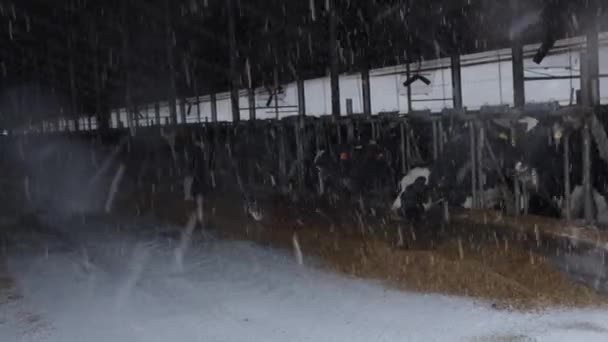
pixel 521 165
pixel 527 155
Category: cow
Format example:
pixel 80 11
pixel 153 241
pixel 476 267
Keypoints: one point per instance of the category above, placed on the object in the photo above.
pixel 449 177
pixel 352 171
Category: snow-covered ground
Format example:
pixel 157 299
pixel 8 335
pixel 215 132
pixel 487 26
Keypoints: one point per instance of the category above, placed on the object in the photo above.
pixel 110 284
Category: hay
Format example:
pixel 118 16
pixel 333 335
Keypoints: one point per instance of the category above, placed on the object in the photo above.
pixel 507 275
pixel 504 273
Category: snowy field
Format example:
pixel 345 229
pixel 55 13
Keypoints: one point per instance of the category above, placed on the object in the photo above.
pixel 110 284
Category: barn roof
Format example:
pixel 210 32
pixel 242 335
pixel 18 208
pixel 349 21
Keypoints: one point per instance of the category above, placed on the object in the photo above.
pixel 84 53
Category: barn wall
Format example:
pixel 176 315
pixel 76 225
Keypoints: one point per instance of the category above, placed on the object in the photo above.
pixel 487 80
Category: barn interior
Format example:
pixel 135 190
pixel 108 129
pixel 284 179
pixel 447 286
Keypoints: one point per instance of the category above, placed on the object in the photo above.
pixel 240 169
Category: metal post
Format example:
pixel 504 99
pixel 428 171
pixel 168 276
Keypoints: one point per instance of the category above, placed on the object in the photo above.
pixel 213 100
pixel 135 115
pixel 517 55
pixel 157 114
pixel 102 118
pixel 171 62
pixel 365 91
pixel 589 88
pixel 301 97
pixel 182 111
pixel 147 118
pixel 349 106
pixel 480 173
pixel 282 159
pixel 276 92
pixel 587 191
pixel 456 81
pixel 350 131
pixel 473 165
pixel 519 98
pixel 404 137
pixel 435 147
pixel 566 143
pixel 440 135
pixel 234 75
pixel 72 80
pixel 299 131
pixel 251 98
pixel 334 63
pixel 593 62
pixel 118 122
pixel 339 131
pixel 409 89
pixel 198 101
pixel 318 132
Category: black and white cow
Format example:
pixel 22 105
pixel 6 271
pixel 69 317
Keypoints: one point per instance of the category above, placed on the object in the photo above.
pixel 352 170
pixel 449 178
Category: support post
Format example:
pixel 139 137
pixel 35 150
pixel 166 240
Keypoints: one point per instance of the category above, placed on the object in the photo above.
pixel 456 81
pixel 404 138
pixel 234 76
pixel 517 55
pixel 198 101
pixel 590 98
pixel 365 90
pixel 435 147
pixel 147 118
pixel 182 111
pixel 171 63
pixel 334 63
pixel 103 120
pixel 282 156
pixel 473 165
pixel 349 107
pixel 567 213
pixel 276 92
pixel 440 135
pixel 135 115
pixel 72 76
pixel 587 191
pixel 251 98
pixel 480 173
pixel 157 114
pixel 350 131
pixel 593 67
pixel 213 104
pixel 301 97
pixel 299 131
pixel 408 74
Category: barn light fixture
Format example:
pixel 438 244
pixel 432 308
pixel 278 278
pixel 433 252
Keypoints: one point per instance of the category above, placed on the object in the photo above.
pixel 544 48
pixel 415 78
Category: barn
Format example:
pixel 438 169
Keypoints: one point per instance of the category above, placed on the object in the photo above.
pixel 238 170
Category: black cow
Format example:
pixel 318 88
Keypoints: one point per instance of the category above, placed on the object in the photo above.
pixel 353 170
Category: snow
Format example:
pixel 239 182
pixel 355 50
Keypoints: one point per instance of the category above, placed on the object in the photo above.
pixel 236 291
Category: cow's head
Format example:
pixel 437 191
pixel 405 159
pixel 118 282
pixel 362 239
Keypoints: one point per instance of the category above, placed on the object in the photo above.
pixel 527 175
